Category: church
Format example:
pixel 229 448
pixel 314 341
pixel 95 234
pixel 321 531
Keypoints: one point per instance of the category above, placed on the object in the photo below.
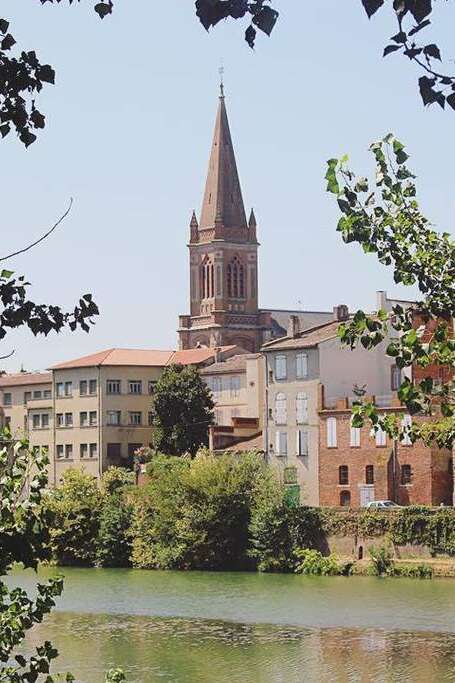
pixel 223 251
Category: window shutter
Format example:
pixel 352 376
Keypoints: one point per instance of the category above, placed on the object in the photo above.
pixel 406 422
pixel 277 443
pixel 302 442
pixel 355 436
pixel 281 416
pixel 331 432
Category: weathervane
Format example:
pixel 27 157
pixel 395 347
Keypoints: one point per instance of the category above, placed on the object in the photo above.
pixel 221 72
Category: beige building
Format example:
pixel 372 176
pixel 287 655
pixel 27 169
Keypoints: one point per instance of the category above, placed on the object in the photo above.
pixel 95 411
pixel 296 368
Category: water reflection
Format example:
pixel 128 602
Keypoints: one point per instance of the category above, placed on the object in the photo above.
pixel 208 651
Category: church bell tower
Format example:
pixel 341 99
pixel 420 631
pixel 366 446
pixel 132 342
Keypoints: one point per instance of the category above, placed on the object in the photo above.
pixel 223 251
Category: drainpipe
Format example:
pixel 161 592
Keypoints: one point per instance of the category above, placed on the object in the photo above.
pixel 395 470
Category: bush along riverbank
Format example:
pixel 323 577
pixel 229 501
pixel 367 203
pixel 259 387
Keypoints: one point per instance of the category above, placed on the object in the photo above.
pixel 231 513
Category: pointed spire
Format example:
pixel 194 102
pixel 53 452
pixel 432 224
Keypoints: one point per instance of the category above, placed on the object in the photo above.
pixel 194 225
pixel 223 202
pixel 252 225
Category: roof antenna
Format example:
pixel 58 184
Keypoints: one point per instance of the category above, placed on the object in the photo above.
pixel 221 72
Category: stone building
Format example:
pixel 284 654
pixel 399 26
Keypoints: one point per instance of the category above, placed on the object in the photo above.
pixel 223 252
pixel 357 466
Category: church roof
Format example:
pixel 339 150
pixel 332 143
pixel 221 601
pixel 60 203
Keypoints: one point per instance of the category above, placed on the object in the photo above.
pixel 223 202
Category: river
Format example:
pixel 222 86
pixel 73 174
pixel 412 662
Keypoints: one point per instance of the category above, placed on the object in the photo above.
pixel 206 627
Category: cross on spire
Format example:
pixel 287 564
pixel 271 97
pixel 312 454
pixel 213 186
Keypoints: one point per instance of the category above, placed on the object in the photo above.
pixel 221 72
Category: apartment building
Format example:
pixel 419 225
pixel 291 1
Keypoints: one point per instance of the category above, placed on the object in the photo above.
pixel 357 465
pixel 295 368
pixel 95 411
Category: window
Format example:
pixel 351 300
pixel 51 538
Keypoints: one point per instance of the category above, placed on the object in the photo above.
pixel 7 399
pixel 343 475
pixel 134 386
pixel 406 425
pixel 235 386
pixel 281 443
pixel 135 418
pixel 381 438
pixel 83 450
pixel 64 389
pixel 60 387
pixel 280 367
pixel 60 451
pixel 345 498
pixel 36 421
pixel 217 386
pixel 92 387
pixel 331 432
pixel 93 418
pixel 83 419
pixel 406 475
pixel 93 450
pixel 68 419
pixel 301 408
pixel 68 388
pixel 395 378
pixel 68 451
pixel 151 386
pixel 114 452
pixel 302 442
pixel 27 396
pixel 150 419
pixel 301 365
pixel 113 386
pixel 37 394
pixel 281 416
pixel 45 421
pixel 355 436
pixel 83 389
pixel 60 420
pixel 132 448
pixel 40 421
pixel 236 279
pixel 114 417
pixel 47 393
pixel 369 474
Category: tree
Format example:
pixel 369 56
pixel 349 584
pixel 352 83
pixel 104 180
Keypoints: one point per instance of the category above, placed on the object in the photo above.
pixel 385 219
pixel 182 411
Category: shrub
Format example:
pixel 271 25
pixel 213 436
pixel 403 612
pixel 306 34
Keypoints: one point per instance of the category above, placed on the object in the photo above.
pixel 113 543
pixel 115 479
pixel 313 562
pixel 74 510
pixel 197 513
pixel 381 561
pixel 414 571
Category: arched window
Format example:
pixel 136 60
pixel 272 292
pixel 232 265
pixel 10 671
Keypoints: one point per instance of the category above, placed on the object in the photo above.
pixel 301 408
pixel 207 279
pixel 236 288
pixel 345 499
pixel 281 416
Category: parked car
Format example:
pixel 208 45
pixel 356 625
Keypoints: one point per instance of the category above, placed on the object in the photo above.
pixel 382 504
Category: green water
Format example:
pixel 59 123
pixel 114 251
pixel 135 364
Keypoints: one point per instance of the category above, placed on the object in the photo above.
pixel 194 627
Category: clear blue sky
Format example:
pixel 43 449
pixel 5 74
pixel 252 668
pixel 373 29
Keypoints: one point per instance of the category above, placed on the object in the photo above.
pixel 129 125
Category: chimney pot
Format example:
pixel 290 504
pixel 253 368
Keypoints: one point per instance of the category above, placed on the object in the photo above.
pixel 293 326
pixel 340 312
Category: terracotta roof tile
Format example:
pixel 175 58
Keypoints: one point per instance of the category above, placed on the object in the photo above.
pixel 138 357
pixel 306 339
pixel 234 364
pixel 196 356
pixel 25 378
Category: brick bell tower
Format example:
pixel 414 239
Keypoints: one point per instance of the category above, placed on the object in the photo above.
pixel 223 251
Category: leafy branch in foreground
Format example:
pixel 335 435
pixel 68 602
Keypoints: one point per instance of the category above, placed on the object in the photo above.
pixel 385 219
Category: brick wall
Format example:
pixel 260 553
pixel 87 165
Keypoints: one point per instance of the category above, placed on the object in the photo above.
pixel 431 469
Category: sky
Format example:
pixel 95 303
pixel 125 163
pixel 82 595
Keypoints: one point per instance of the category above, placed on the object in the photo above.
pixel 128 134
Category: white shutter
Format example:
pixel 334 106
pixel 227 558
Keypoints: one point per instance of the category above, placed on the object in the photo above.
pixel 302 365
pixel 280 367
pixel 355 437
pixel 281 414
pixel 302 442
pixel 331 432
pixel 381 438
pixel 283 443
pixel 301 408
pixel 405 423
pixel 277 443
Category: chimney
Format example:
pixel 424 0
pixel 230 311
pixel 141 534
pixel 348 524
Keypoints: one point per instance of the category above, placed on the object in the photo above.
pixel 381 300
pixel 293 326
pixel 340 312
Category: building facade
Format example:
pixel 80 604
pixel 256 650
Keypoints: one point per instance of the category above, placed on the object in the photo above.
pixel 92 412
pixel 357 465
pixel 296 368
pixel 223 254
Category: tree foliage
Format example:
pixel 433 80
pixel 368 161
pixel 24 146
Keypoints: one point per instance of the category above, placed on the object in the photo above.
pixel 385 219
pixel 182 411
